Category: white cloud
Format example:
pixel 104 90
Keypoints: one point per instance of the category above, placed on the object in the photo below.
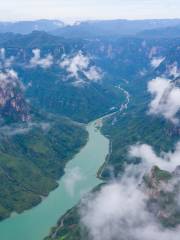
pixel 21 129
pixel 155 62
pixel 79 65
pixel 73 176
pixel 153 52
pixel 167 161
pixel 93 74
pixel 166 101
pixel 36 60
pixel 173 70
pixel 8 77
pixel 142 72
pixel 14 130
pixel 119 212
pixel 2 53
pixel 5 62
pixel 103 213
pixel 75 64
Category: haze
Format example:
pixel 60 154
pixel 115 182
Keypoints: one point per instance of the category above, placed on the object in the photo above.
pixel 70 10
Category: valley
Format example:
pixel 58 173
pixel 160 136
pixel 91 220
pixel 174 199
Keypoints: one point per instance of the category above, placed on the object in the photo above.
pixel 33 159
pixel 88 124
pixel 79 178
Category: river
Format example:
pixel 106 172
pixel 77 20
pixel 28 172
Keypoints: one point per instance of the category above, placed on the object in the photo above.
pixel 79 178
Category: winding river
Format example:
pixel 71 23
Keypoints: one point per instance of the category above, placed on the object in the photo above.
pixel 79 178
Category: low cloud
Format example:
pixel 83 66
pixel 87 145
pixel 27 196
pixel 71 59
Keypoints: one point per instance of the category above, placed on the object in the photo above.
pixel 111 214
pixel 153 52
pixel 36 60
pixel 14 130
pixel 22 129
pixel 119 210
pixel 173 70
pixel 10 77
pixel 155 62
pixel 167 161
pixel 7 75
pixel 79 67
pixel 93 74
pixel 75 64
pixel 73 176
pixel 2 53
pixel 166 98
pixel 4 61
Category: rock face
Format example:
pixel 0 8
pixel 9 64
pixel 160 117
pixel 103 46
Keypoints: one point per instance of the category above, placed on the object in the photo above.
pixel 162 189
pixel 13 105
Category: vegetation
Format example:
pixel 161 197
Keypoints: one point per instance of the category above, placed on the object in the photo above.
pixel 134 126
pixel 32 162
pixel 68 227
pixel 131 126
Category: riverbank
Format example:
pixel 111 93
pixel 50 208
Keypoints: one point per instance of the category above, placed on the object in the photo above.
pixel 80 177
pixel 32 159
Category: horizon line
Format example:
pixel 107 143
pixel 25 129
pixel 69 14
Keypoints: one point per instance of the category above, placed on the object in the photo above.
pixel 87 19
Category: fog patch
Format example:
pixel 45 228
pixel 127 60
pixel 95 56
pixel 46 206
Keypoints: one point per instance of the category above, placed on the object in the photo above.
pixel 73 176
pixel 23 129
pixel 173 70
pixel 119 210
pixel 156 62
pixel 93 74
pixel 167 161
pixel 166 98
pixel 79 67
pixel 37 61
pixel 9 77
pixel 5 62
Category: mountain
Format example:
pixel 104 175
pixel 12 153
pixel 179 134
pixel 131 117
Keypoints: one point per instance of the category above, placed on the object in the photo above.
pixel 86 73
pixel 32 40
pixel 112 28
pixel 165 32
pixel 163 28
pixel 25 27
pixel 50 81
pixel 13 105
pixel 130 64
pixel 34 144
pixel 32 159
pixel 162 189
pixel 79 93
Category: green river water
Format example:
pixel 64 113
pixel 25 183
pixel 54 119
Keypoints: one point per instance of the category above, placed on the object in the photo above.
pixel 79 178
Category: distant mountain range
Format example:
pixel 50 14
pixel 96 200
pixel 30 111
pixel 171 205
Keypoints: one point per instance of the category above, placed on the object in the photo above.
pixel 166 32
pixel 89 29
pixel 25 27
pixel 86 73
pixel 112 28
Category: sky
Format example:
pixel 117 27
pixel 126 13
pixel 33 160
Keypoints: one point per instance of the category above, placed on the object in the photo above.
pixel 70 10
